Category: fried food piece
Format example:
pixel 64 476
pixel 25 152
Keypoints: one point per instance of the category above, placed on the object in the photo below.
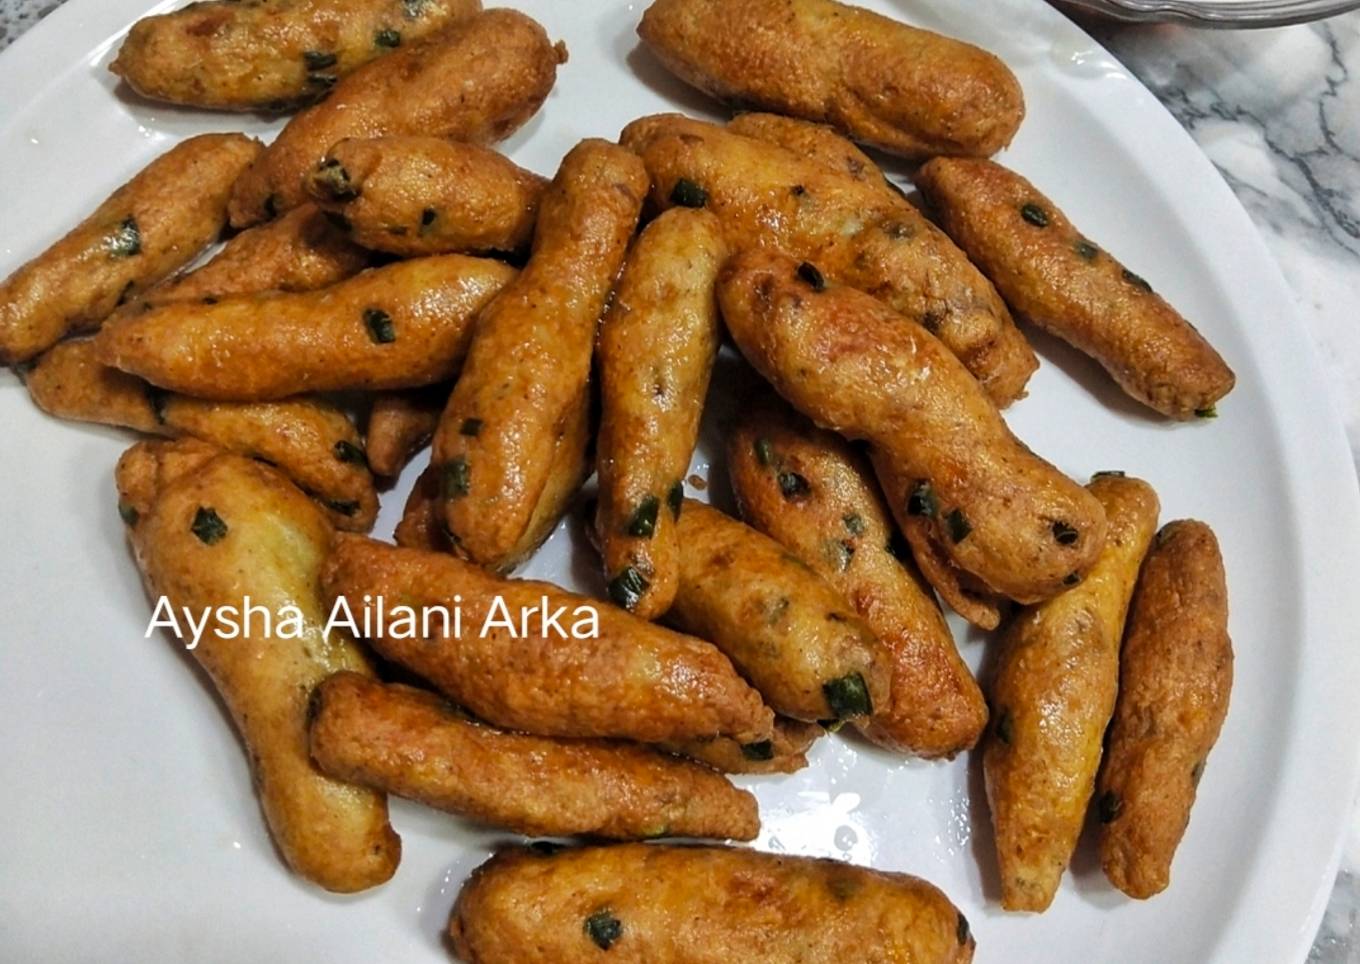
pixel 270 54
pixel 789 633
pixel 400 424
pixel 418 195
pixel 699 905
pixel 784 752
pixel 154 224
pixel 413 744
pixel 1175 675
pixel 810 491
pixel 898 88
pixel 400 326
pixel 960 484
pixel 816 142
pixel 529 362
pixel 1052 275
pixel 478 82
pixel 311 442
pixel 422 518
pixel 1052 697
pixel 632 680
pixel 301 251
pixel 656 351
pixel 208 527
pixel 854 232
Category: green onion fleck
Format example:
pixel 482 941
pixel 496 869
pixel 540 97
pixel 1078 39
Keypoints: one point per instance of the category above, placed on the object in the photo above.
pixel 1110 474
pixel 959 526
pixel 604 929
pixel 854 522
pixel 379 324
pixel 839 553
pixel 688 194
pixel 318 59
pixel 455 478
pixel 1086 249
pixel 349 452
pixel 643 523
pixel 627 587
pixel 126 240
pixel 208 526
pixel 792 485
pixel 763 750
pixel 922 501
pixel 414 8
pixel 675 498
pixel 332 178
pixel 387 38
pixel 1064 533
pixel 764 451
pixel 809 273
pixel 1108 807
pixel 1035 215
pixel 776 610
pixel 1210 412
pixel 128 513
pixel 848 696
pixel 471 427
pixel 1196 772
pixel 1137 281
pixel 325 81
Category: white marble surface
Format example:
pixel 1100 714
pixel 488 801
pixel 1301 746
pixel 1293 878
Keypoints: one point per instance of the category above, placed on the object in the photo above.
pixel 1277 111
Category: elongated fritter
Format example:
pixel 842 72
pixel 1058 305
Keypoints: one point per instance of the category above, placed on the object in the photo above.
pixel 413 744
pixel 855 232
pixel 1175 676
pixel 789 632
pixel 968 494
pixel 209 529
pixel 270 54
pixel 631 680
pixel 656 351
pixel 815 142
pixel 309 441
pixel 477 82
pixel 154 224
pixel 400 424
pixel 400 326
pixel 417 195
pixel 1052 275
pixel 529 362
pixel 699 905
pixel 810 491
pixel 901 89
pixel 1052 697
pixel 784 752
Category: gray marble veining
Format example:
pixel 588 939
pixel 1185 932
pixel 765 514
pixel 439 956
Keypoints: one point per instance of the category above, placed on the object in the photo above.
pixel 1276 110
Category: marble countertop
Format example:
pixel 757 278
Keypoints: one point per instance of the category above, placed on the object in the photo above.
pixel 1271 109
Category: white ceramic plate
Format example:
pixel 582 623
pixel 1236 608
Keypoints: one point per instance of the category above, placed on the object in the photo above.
pixel 131 832
pixel 1220 13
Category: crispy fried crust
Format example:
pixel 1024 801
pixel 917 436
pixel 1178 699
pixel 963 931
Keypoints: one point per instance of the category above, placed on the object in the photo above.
pixel 148 228
pixel 270 544
pixel 418 195
pixel 699 905
pixel 784 752
pixel 853 232
pixel 634 680
pixel 791 634
pixel 944 455
pixel 656 351
pixel 400 424
pixel 270 54
pixel 1052 275
pixel 413 744
pixel 904 90
pixel 400 326
pixel 529 361
pixel 815 142
pixel 311 442
pixel 478 82
pixel 810 491
pixel 1051 699
pixel 1175 676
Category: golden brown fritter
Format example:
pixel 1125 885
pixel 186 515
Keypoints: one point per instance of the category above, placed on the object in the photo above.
pixel 270 54
pixel 417 195
pixel 400 424
pixel 784 752
pixel 400 326
pixel 154 224
pixel 477 82
pixel 810 491
pixel 209 529
pixel 655 355
pixel 529 362
pixel 855 232
pixel 904 90
pixel 699 905
pixel 1052 275
pixel 1052 697
pixel 815 142
pixel 1175 676
pixel 310 441
pixel 791 634
pixel 633 680
pixel 960 484
pixel 413 744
